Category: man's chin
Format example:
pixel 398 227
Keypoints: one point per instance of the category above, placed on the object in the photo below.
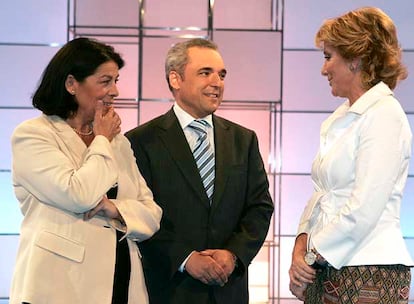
pixel 214 107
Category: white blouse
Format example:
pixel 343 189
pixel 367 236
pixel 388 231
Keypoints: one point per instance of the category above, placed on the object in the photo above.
pixel 359 174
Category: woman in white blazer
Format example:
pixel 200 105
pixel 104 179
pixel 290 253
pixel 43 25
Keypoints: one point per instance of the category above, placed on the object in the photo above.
pixel 349 247
pixel 84 202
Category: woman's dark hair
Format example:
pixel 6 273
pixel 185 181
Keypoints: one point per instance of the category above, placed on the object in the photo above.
pixel 80 58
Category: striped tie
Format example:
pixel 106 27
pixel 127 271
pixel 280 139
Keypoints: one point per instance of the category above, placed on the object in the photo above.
pixel 204 156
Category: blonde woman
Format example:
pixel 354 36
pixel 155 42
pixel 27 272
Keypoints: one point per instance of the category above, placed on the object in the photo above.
pixel 349 247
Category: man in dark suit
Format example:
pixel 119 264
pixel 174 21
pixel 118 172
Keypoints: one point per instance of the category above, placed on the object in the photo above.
pixel 210 231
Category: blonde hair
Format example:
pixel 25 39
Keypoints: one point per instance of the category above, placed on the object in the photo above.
pixel 368 34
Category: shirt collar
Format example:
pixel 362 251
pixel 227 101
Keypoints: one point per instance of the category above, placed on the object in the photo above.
pixel 369 98
pixel 185 119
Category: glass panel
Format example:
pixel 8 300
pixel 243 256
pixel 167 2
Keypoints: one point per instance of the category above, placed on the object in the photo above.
pixel 410 245
pixel 273 224
pixel 10 215
pixel 154 84
pixel 8 245
pixel 129 118
pixel 241 82
pixel 22 69
pixel 128 75
pixel 24 73
pixel 308 16
pixel 404 90
pixel 275 190
pixel 259 274
pixel 304 88
pixel 300 141
pixel 105 13
pixel 286 246
pixel 293 201
pixel 407 209
pixel 110 36
pixel 10 119
pixel 177 13
pixel 175 32
pixel 253 62
pixel 25 21
pixel 232 14
pixel 150 110
pixel 275 155
pixel 411 166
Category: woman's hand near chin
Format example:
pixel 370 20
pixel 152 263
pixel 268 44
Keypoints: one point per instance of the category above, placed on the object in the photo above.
pixel 106 121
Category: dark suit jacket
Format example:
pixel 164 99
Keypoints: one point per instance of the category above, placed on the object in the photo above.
pixel 238 218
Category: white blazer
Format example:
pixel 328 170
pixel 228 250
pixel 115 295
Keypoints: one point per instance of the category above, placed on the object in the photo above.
pixel 359 174
pixel 63 259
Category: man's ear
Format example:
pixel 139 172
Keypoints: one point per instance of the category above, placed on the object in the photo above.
pixel 175 80
pixel 71 84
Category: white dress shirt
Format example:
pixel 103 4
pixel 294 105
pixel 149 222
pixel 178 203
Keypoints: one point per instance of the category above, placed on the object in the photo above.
pixel 359 174
pixel 185 119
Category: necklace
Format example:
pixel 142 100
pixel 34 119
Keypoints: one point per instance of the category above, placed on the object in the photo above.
pixel 90 132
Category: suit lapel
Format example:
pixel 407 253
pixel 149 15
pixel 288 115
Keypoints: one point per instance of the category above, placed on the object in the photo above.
pixel 174 140
pixel 222 142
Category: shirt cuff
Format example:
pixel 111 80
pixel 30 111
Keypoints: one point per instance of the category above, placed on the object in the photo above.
pixel 182 266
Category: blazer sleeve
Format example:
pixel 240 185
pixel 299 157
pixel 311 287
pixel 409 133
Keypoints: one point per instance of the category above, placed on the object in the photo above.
pixel 44 165
pixel 254 223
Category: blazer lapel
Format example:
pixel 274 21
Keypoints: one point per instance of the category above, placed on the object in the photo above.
pixel 174 139
pixel 69 139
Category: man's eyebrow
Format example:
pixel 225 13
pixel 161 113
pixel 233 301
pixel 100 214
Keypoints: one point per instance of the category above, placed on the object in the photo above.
pixel 211 69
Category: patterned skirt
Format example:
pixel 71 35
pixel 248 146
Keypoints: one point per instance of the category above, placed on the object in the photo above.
pixel 379 284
